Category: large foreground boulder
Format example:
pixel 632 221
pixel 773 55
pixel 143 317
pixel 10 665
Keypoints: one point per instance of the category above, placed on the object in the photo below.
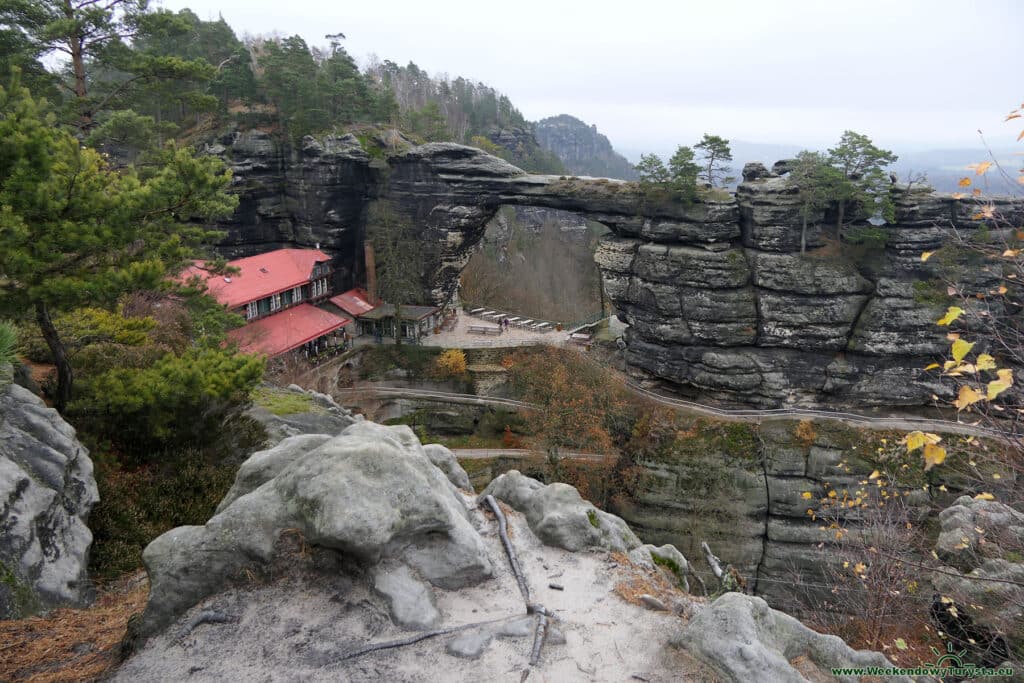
pixel 743 639
pixel 368 494
pixel 46 492
pixel 344 544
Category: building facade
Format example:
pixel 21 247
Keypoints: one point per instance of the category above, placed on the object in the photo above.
pixel 278 293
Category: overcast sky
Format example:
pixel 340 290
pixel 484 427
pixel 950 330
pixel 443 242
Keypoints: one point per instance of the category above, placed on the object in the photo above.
pixel 908 73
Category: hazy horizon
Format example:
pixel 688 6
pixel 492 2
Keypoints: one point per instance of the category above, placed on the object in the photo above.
pixel 912 75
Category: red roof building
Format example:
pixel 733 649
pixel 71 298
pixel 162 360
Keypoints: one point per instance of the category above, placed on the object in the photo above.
pixel 260 277
pixel 274 291
pixel 355 302
pixel 288 330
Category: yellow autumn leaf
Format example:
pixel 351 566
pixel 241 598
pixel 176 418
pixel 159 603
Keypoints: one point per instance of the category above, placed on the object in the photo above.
pixel 925 255
pixel 982 168
pixel 933 455
pixel 806 495
pixel 952 313
pixel 859 568
pixel 960 349
pixel 914 440
pixel 965 182
pixel 931 367
pixel 967 397
pixel 986 362
pixel 996 387
pixel 1010 253
pixel 1003 289
pixel 874 474
pixel 984 496
pixel 976 192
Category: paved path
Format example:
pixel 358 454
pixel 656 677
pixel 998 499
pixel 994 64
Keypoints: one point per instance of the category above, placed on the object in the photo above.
pixel 522 453
pixel 462 338
pixel 903 423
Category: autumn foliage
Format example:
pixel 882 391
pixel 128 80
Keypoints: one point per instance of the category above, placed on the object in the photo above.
pixel 452 363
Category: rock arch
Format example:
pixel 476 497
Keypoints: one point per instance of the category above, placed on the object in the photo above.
pixel 720 303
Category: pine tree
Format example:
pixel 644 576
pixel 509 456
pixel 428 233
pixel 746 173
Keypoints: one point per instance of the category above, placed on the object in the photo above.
pixel 74 231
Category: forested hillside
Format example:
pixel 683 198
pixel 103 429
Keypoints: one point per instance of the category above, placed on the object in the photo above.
pixel 135 78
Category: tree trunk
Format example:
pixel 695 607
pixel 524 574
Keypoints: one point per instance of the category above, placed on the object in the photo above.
pixel 840 210
pixel 65 378
pixel 75 45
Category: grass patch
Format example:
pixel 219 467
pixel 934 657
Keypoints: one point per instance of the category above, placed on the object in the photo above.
pixel 283 402
pixel 592 516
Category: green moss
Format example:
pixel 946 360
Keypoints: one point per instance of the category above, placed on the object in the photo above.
pixel 930 293
pixel 23 600
pixel 667 562
pixel 592 516
pixel 283 402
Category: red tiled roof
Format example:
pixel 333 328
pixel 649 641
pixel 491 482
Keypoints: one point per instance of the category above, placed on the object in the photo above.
pixel 287 330
pixel 259 276
pixel 355 302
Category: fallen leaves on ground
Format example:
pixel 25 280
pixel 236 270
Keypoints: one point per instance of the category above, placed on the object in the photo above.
pixel 71 644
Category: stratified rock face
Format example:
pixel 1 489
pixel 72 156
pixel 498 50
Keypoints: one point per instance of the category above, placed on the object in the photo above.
pixel 315 194
pixel 746 317
pixel 720 301
pixel 743 639
pixel 741 487
pixel 581 148
pixel 46 492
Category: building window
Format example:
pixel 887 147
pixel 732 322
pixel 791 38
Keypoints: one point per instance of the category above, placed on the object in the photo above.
pixel 275 302
pixel 318 287
pixel 297 294
pixel 251 310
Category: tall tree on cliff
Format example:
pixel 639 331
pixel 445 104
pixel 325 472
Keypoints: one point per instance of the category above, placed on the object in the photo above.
pixel 102 68
pixel 715 155
pixel 861 177
pixel 73 231
pixel 815 182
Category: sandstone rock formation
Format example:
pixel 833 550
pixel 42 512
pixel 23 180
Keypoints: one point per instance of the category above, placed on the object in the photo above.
pixel 324 416
pixel 353 557
pixel 743 639
pixel 982 542
pixel 46 492
pixel 720 302
pixel 369 493
pixel 741 488
pixel 559 516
